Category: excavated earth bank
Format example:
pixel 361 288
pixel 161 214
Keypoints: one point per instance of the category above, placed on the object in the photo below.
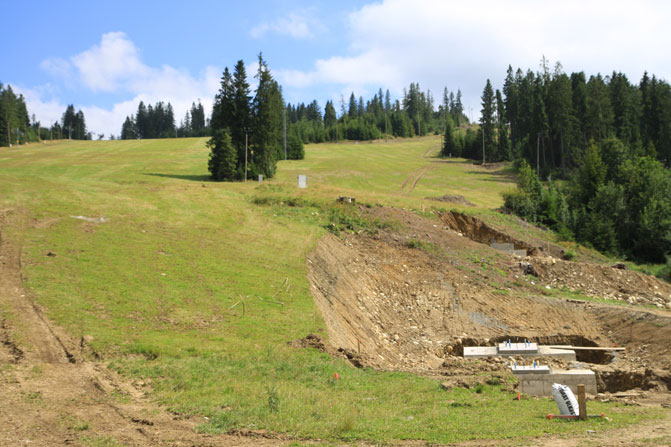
pixel 410 299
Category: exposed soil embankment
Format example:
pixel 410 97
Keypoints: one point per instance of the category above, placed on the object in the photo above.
pixel 411 298
pixel 400 307
pixel 479 231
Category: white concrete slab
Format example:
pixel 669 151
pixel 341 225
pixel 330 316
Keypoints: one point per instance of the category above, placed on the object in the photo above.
pixel 517 348
pixel 541 384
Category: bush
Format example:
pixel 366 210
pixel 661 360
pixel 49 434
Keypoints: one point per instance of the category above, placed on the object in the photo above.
pixel 665 272
pixel 521 204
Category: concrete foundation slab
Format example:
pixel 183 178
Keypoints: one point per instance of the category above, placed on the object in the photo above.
pixel 479 352
pixel 531 369
pixel 541 384
pixel 517 348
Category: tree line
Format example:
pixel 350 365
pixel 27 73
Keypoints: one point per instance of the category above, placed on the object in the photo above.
pixel 413 115
pixel 248 131
pixel 608 139
pixel 17 127
pixel 158 121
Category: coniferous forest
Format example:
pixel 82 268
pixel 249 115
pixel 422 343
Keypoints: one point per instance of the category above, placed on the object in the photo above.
pixel 602 143
pixel 17 127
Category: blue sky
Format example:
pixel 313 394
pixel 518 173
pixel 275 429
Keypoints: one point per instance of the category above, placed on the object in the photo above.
pixel 104 57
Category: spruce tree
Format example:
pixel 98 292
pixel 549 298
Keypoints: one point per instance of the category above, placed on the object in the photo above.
pixel 267 122
pixel 503 147
pixel 241 117
pixel 449 148
pixel 223 162
pixel 487 121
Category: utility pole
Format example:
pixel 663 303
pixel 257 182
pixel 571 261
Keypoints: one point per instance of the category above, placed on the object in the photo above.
pixel 284 122
pixel 69 131
pixel 246 155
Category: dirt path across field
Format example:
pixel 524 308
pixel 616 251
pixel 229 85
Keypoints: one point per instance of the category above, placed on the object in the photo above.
pixel 52 396
pixel 412 180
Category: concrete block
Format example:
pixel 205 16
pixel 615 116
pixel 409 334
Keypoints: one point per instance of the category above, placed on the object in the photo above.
pixel 531 369
pixel 541 384
pixel 517 348
pixel 479 352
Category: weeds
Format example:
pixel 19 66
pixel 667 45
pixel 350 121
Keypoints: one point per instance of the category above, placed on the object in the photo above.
pixel 273 399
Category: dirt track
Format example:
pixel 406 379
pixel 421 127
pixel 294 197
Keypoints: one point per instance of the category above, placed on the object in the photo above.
pixel 52 396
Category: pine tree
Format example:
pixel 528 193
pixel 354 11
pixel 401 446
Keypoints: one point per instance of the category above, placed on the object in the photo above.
pixel 141 121
pixel 487 120
pixel 599 109
pixel 267 122
pixel 351 111
pixel 503 147
pixel 223 162
pixel 560 106
pixel 448 149
pixel 330 119
pixel 458 108
pixel 223 108
pixel 128 129
pixel 69 122
pixel 241 117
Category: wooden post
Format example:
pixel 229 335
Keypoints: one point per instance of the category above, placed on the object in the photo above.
pixel 582 402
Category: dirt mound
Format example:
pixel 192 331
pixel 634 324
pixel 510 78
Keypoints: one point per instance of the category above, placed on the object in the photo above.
pixel 450 198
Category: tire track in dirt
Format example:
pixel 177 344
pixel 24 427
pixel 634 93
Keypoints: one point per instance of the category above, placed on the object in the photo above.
pixel 410 183
pixel 52 395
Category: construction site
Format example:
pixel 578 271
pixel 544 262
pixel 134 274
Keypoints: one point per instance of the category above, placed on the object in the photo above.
pixel 461 300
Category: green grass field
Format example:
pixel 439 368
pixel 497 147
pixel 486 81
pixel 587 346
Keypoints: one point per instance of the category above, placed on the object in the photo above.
pixel 155 284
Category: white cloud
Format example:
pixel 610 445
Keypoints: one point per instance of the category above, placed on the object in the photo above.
pixel 107 65
pixel 299 25
pixel 461 44
pixel 57 67
pixel 115 66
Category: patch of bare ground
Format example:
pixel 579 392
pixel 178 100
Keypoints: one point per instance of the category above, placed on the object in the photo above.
pixel 411 298
pixel 453 198
pixel 52 395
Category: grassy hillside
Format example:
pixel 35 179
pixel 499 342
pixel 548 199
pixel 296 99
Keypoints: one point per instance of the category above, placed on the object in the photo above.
pixel 195 289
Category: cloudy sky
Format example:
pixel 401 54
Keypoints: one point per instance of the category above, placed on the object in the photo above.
pixel 104 57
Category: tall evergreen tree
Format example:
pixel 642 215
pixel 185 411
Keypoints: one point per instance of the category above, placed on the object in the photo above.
pixel 267 122
pixel 224 105
pixel 223 162
pixel 241 119
pixel 487 121
pixel 503 145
